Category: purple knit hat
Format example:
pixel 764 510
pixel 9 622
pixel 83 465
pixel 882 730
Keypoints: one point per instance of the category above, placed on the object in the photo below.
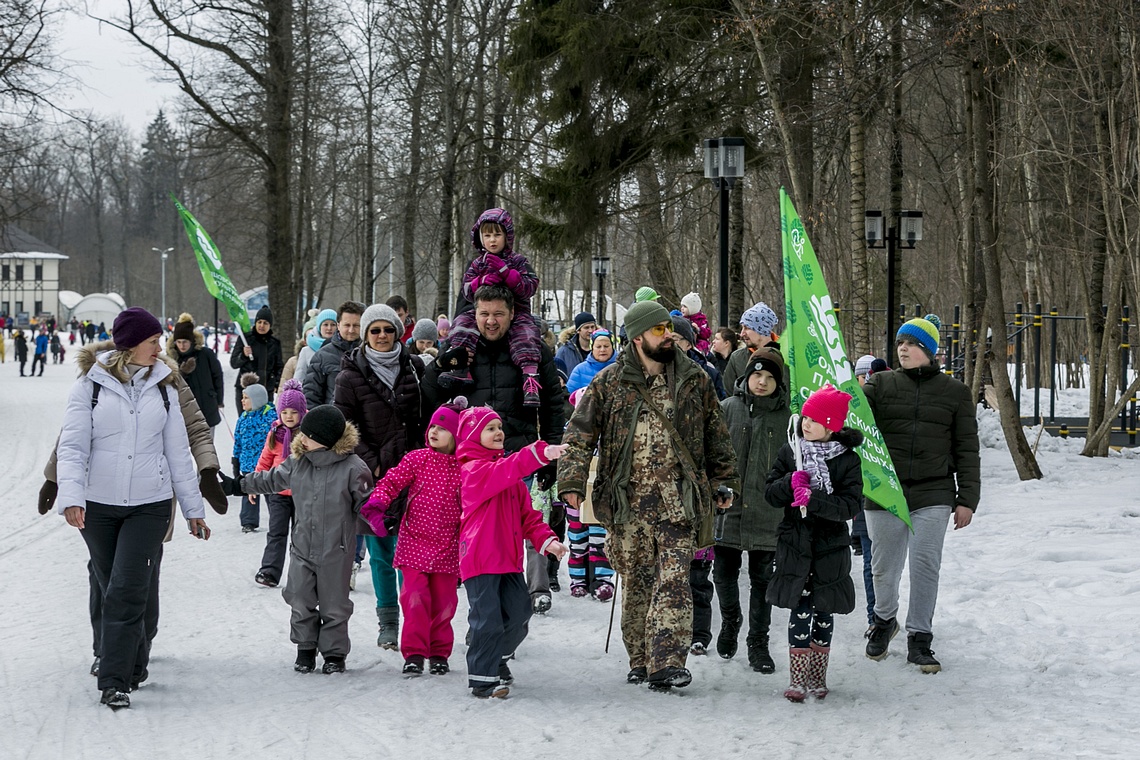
pixel 133 326
pixel 500 217
pixel 290 397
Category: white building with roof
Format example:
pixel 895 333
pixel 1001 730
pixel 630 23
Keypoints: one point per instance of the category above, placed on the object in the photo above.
pixel 29 276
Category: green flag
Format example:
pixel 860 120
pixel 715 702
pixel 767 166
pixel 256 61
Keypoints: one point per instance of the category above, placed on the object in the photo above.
pixel 213 273
pixel 815 355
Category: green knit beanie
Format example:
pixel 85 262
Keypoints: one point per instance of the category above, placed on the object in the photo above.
pixel 643 315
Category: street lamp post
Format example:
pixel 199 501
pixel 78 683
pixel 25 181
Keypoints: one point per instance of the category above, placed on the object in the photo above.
pixel 904 233
pixel 724 162
pixel 164 252
pixel 601 269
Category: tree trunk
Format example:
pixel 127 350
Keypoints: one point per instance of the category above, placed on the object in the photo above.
pixel 984 211
pixel 859 313
pixel 653 230
pixel 279 150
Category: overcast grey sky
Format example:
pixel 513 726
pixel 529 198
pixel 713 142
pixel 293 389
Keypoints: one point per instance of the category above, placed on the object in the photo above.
pixel 112 69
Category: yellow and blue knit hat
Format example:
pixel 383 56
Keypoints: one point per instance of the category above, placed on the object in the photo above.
pixel 923 331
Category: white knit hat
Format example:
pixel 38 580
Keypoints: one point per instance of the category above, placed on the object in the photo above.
pixel 863 365
pixel 692 302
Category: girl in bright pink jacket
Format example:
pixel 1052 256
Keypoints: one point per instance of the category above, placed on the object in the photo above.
pixel 427 552
pixel 497 516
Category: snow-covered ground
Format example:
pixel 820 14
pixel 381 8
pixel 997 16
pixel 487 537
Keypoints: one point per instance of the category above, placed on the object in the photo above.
pixel 1036 630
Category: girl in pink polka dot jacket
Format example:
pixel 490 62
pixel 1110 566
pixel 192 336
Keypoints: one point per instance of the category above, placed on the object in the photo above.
pixel 427 552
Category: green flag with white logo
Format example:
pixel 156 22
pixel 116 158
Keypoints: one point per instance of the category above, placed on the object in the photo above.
pixel 815 355
pixel 213 273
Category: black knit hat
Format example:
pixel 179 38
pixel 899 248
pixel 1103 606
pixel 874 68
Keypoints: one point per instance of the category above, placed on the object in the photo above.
pixel 324 424
pixel 184 328
pixel 264 313
pixel 770 359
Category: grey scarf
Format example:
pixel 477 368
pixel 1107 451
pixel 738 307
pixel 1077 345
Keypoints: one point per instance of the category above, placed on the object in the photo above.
pixel 816 454
pixel 386 365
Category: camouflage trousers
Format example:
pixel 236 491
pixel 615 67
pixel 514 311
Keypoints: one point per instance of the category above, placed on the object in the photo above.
pixel 656 601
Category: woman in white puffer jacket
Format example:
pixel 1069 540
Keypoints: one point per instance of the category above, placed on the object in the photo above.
pixel 122 452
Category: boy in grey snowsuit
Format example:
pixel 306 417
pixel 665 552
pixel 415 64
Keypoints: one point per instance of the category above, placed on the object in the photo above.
pixel 329 484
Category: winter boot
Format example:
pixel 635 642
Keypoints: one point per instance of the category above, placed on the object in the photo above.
pixel 456 379
pixel 668 677
pixel 306 660
pixel 758 657
pixel 334 663
pixel 727 641
pixel 439 666
pixel 918 652
pixel 491 691
pixel 505 676
pixel 389 634
pixel 414 666
pixel 115 699
pixel 352 578
pixel 637 675
pixel 95 667
pixel 531 388
pixel 880 638
pixel 798 667
pixel 541 603
pixel 817 671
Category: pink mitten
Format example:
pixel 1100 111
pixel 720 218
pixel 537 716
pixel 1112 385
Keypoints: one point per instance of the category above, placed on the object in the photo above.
pixel 801 488
pixel 494 262
pixel 512 279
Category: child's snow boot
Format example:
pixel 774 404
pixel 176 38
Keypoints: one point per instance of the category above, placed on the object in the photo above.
pixel 414 666
pixel 389 631
pixel 817 671
pixel 798 667
pixel 306 660
pixel 334 663
pixel 531 387
pixel 919 653
pixel 439 666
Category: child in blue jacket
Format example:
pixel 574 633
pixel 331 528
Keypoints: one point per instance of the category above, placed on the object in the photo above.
pixel 250 434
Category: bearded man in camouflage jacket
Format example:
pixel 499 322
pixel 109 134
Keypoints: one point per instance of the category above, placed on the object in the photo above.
pixel 663 452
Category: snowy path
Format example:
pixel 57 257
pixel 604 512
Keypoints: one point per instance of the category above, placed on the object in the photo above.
pixel 1036 630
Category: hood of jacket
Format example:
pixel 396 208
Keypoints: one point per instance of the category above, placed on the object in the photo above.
pixel 86 357
pixel 344 446
pixel 199 343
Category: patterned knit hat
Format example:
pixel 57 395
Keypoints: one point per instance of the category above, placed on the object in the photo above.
pixel 827 406
pixel 760 318
pixel 447 416
pixel 645 293
pixel 497 216
pixel 292 397
pixel 923 331
pixel 863 365
pixel 472 421
pixel 692 302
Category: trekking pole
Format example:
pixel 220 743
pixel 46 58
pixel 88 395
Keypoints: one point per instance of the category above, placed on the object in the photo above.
pixel 610 630
pixel 793 424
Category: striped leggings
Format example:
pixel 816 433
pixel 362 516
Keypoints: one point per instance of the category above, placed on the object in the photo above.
pixel 588 565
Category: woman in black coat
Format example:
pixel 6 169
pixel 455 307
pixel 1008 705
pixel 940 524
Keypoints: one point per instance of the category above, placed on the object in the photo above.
pixel 813 548
pixel 378 389
pixel 258 352
pixel 21 350
pixel 199 367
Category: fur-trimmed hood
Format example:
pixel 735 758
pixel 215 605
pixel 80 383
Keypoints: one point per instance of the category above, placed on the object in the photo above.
pixel 342 448
pixel 199 343
pixel 86 357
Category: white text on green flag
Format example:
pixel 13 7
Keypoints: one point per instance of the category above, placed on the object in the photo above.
pixel 815 355
pixel 213 273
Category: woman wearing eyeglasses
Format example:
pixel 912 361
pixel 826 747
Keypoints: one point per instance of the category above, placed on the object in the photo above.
pixel 378 390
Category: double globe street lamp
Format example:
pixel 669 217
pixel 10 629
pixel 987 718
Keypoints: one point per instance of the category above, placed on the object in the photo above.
pixel 905 232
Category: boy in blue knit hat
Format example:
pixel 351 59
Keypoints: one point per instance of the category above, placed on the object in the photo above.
pixel 250 433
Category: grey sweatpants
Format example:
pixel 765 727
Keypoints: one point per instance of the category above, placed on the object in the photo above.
pixel 894 544
pixel 537 574
pixel 318 595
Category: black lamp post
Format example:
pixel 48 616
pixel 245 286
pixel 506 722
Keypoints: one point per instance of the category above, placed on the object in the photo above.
pixel 906 231
pixel 601 269
pixel 724 162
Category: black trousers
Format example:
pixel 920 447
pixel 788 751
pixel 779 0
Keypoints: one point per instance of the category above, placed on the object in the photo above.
pixel 726 574
pixel 41 359
pixel 125 544
pixel 702 600
pixel 498 613
pixel 95 608
pixel 277 540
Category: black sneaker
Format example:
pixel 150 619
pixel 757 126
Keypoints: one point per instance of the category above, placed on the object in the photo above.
pixel 505 676
pixel 637 675
pixel 249 529
pixel 115 699
pixel 918 652
pixel 759 659
pixel 880 638
pixel 306 661
pixel 95 667
pixel 728 639
pixel 667 678
pixel 265 580
pixel 333 664
pixel 438 666
pixel 491 691
pixel 414 666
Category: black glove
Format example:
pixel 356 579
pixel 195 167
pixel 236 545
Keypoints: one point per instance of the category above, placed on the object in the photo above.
pixel 232 486
pixel 212 490
pixel 453 358
pixel 48 492
pixel 237 466
pixel 547 476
